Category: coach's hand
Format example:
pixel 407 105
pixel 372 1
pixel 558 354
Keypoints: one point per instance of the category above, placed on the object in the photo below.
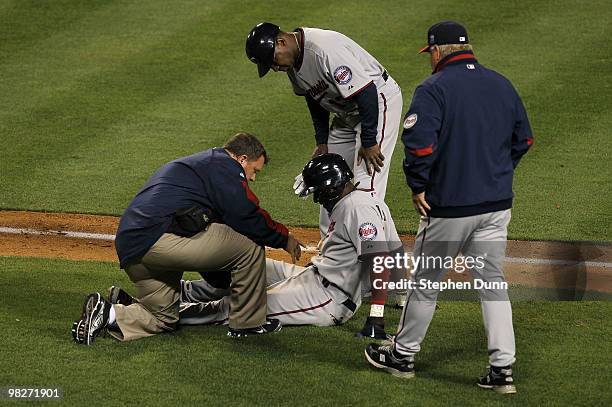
pixel 293 248
pixel 319 150
pixel 372 157
pixel 420 204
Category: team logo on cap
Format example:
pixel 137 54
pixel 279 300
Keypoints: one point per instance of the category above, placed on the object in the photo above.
pixel 343 75
pixel 410 121
pixel 367 231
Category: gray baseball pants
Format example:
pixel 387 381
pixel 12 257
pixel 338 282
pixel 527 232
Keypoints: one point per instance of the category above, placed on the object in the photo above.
pixel 472 236
pixel 295 295
pixel 345 139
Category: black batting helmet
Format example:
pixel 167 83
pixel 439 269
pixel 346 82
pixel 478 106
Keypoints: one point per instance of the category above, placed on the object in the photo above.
pixel 260 46
pixel 325 176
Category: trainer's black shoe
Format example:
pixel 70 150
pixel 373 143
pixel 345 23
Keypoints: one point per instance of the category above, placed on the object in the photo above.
pixel 93 320
pixel 384 357
pixel 499 379
pixel 116 295
pixel 271 325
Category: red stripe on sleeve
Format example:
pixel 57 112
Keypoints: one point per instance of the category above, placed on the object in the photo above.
pixel 250 195
pixel 529 141
pixel 422 152
pixel 277 227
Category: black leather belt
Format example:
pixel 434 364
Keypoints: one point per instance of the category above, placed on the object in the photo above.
pixel 348 303
pixel 385 75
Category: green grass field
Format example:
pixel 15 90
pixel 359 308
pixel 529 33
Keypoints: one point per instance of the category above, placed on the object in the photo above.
pixel 562 353
pixel 98 94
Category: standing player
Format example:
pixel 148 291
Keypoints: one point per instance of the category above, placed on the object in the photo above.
pixel 328 292
pixel 465 133
pixel 336 75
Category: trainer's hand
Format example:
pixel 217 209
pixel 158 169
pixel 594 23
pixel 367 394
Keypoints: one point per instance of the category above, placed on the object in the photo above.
pixel 373 158
pixel 420 204
pixel 293 248
pixel 319 150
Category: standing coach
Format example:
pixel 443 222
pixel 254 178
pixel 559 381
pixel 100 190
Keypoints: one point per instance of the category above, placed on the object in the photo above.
pixel 464 135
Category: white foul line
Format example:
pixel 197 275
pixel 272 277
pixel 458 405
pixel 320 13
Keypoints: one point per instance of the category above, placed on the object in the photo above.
pixel 306 249
pixel 80 235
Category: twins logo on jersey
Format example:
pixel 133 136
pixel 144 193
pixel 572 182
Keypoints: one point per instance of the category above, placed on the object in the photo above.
pixel 367 231
pixel 343 75
pixel 410 120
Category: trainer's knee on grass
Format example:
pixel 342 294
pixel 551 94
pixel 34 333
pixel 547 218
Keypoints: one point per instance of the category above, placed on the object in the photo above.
pixel 137 321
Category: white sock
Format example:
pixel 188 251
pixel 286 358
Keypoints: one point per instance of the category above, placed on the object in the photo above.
pixel 112 318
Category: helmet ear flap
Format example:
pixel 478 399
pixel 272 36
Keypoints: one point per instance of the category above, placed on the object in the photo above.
pixel 330 194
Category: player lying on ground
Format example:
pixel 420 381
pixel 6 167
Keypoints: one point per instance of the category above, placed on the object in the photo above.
pixel 329 291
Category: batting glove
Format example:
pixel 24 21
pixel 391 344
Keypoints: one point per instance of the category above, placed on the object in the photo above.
pixel 299 186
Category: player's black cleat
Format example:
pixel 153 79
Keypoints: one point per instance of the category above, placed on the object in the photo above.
pixel 93 319
pixel 116 295
pixel 384 357
pixel 499 379
pixel 271 325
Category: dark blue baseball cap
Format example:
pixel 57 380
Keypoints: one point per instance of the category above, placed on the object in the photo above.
pixel 445 32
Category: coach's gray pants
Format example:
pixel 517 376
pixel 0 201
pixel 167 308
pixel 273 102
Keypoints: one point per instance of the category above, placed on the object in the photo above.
pixel 472 236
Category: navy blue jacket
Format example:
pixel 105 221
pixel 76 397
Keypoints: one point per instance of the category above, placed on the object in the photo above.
pixel 211 179
pixel 464 135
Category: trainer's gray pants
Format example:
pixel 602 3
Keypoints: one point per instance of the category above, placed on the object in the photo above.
pixel 472 236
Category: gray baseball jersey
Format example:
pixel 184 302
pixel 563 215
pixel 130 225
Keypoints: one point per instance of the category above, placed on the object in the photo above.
pixel 359 225
pixel 332 69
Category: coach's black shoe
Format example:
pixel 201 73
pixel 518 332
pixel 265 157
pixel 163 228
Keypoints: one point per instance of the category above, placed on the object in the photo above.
pixel 117 296
pixel 271 325
pixel 384 357
pixel 499 379
pixel 93 320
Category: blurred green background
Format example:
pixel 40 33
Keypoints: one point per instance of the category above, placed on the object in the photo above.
pixel 95 95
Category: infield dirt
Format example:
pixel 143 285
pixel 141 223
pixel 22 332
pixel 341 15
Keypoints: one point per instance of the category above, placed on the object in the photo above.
pixel 535 263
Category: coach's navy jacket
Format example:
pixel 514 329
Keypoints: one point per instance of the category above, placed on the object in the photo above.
pixel 211 179
pixel 464 134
